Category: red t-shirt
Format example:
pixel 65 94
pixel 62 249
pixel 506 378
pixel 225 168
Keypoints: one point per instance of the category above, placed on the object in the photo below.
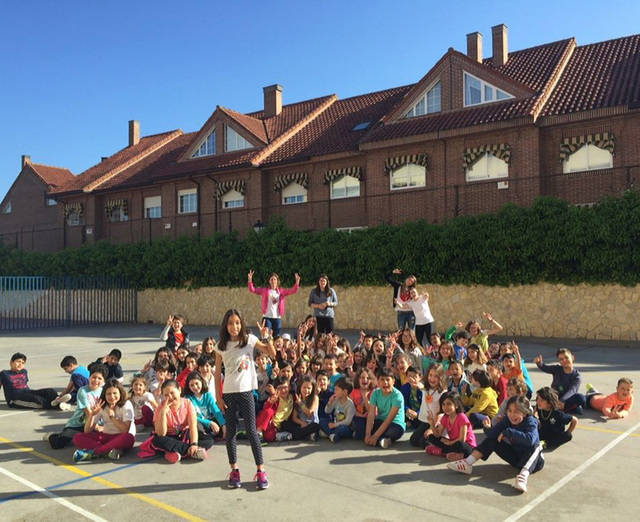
pixel 179 337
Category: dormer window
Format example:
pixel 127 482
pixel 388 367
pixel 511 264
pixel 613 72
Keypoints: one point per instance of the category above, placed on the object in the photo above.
pixel 7 208
pixel 429 102
pixel 208 146
pixel 477 91
pixel 233 141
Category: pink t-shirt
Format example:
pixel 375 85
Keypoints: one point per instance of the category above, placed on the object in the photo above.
pixel 178 419
pixel 454 429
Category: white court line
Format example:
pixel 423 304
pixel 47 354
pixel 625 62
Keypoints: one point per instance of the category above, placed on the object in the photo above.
pixel 55 498
pixel 550 491
pixel 18 413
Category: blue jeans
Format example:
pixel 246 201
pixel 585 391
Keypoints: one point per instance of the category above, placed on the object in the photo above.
pixel 340 432
pixel 406 319
pixel 476 420
pixel 273 324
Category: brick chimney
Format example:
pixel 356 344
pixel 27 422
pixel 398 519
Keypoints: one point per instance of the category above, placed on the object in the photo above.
pixel 272 100
pixel 134 132
pixel 25 159
pixel 500 45
pixel 474 46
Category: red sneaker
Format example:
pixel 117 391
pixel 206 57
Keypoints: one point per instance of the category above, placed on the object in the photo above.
pixel 172 457
pixel 434 450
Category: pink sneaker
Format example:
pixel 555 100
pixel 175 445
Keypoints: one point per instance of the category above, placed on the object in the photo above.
pixel 434 450
pixel 172 457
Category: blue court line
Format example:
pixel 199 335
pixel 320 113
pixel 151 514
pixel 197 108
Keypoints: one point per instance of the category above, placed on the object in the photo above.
pixel 74 481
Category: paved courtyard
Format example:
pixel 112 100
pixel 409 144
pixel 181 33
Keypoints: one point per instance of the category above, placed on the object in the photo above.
pixel 594 477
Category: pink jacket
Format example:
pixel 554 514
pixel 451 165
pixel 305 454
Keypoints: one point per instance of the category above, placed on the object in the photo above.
pixel 264 293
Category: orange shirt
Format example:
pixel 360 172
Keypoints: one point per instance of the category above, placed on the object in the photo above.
pixel 611 402
pixel 514 373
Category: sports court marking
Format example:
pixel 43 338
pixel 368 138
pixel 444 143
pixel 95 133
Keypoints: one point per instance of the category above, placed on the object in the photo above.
pixel 74 469
pixel 551 490
pixel 55 498
pixel 15 413
pixel 605 430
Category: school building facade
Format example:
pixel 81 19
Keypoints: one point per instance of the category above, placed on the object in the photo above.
pixel 474 133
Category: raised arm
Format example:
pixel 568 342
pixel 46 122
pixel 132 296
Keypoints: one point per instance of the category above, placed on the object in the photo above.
pixel 496 327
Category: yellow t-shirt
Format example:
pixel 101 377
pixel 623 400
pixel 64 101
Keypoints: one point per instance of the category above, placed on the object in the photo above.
pixel 285 407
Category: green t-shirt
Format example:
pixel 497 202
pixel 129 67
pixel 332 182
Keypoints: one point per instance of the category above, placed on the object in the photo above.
pixel 384 403
pixel 86 398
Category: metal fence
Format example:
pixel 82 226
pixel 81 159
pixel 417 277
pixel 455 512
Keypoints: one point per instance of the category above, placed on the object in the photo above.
pixel 50 302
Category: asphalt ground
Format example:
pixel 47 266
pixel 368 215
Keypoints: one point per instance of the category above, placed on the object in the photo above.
pixel 594 477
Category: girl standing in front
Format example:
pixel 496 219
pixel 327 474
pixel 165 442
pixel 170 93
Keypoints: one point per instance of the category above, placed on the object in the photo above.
pixel 323 299
pixel 273 300
pixel 235 352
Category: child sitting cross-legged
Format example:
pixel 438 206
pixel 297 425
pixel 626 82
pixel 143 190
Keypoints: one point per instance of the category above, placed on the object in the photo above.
pixel 483 402
pixel 115 414
pixel 385 420
pixel 143 402
pixel 515 439
pixel 343 410
pixel 275 412
pixel 211 422
pixel 303 423
pixel 552 419
pixel 460 439
pixel 412 393
pixel 435 383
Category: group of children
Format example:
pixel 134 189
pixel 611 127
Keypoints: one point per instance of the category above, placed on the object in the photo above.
pixel 318 386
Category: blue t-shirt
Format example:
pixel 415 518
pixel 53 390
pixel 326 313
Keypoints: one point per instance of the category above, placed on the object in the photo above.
pixel 80 377
pixel 333 380
pixel 384 403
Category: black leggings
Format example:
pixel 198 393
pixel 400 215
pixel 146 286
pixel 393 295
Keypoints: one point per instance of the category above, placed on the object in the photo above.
pixel 175 443
pixel 423 330
pixel 325 324
pixel 417 437
pixel 531 460
pixel 458 447
pixel 244 404
pixel 298 432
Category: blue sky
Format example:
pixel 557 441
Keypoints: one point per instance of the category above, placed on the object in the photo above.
pixel 72 73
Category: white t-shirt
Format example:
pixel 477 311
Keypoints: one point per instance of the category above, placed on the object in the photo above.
pixel 421 310
pixel 123 414
pixel 272 305
pixel 239 369
pixel 138 401
pixel 430 404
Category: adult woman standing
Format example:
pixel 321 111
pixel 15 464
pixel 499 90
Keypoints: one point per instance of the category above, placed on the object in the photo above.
pixel 323 299
pixel 273 300
pixel 401 293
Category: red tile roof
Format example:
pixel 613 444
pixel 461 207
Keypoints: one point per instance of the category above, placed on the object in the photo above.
pixel 253 125
pixel 603 74
pixel 53 176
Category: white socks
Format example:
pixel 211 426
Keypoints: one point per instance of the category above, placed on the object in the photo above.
pixel 470 460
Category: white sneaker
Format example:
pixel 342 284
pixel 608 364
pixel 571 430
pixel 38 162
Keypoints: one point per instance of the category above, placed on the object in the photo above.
pixel 461 466
pixel 384 442
pixel 332 437
pixel 520 483
pixel 62 399
pixel 65 406
pixel 283 436
pixel 201 454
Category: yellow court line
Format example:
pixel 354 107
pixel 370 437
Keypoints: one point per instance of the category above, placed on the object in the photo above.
pixel 74 469
pixel 604 430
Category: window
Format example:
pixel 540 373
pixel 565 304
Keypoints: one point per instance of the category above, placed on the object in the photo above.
pixel 345 187
pixel 7 208
pixel 408 176
pixel 153 207
pixel 294 193
pixel 430 102
pixel 187 201
pixel 208 147
pixel 118 214
pixel 588 157
pixel 233 141
pixel 50 202
pixel 74 217
pixel 487 167
pixel 362 126
pixel 477 91
pixel 233 199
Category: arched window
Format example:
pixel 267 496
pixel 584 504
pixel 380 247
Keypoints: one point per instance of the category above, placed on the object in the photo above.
pixel 345 187
pixel 294 193
pixel 408 176
pixel 588 157
pixel 429 102
pixel 487 167
pixel 233 199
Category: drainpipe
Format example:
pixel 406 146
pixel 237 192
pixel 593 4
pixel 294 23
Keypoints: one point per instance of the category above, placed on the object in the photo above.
pixel 198 204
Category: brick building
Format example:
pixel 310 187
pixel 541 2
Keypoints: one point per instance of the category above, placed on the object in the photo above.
pixel 472 134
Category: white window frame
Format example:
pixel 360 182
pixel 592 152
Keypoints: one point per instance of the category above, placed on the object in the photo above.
pixel 182 199
pixel 397 172
pixel 207 147
pixel 351 188
pixel 294 194
pixel 481 169
pixel 50 202
pixel 424 101
pixel 117 215
pixel 586 148
pixel 74 218
pixel 232 199
pixel 7 209
pixel 234 141
pixel 483 91
pixel 348 230
pixel 151 203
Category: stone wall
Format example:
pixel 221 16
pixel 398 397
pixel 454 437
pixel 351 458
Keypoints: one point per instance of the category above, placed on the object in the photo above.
pixel 543 310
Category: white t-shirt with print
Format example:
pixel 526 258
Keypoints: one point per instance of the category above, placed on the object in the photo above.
pixel 272 305
pixel 239 369
pixel 122 413
pixel 138 401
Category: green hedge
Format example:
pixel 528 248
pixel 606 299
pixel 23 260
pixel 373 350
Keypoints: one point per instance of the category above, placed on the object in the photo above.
pixel 550 241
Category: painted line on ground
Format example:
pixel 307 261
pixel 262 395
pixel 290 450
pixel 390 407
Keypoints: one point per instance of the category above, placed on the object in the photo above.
pixel 69 482
pixel 605 430
pixel 74 469
pixel 17 413
pixel 551 490
pixel 55 498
